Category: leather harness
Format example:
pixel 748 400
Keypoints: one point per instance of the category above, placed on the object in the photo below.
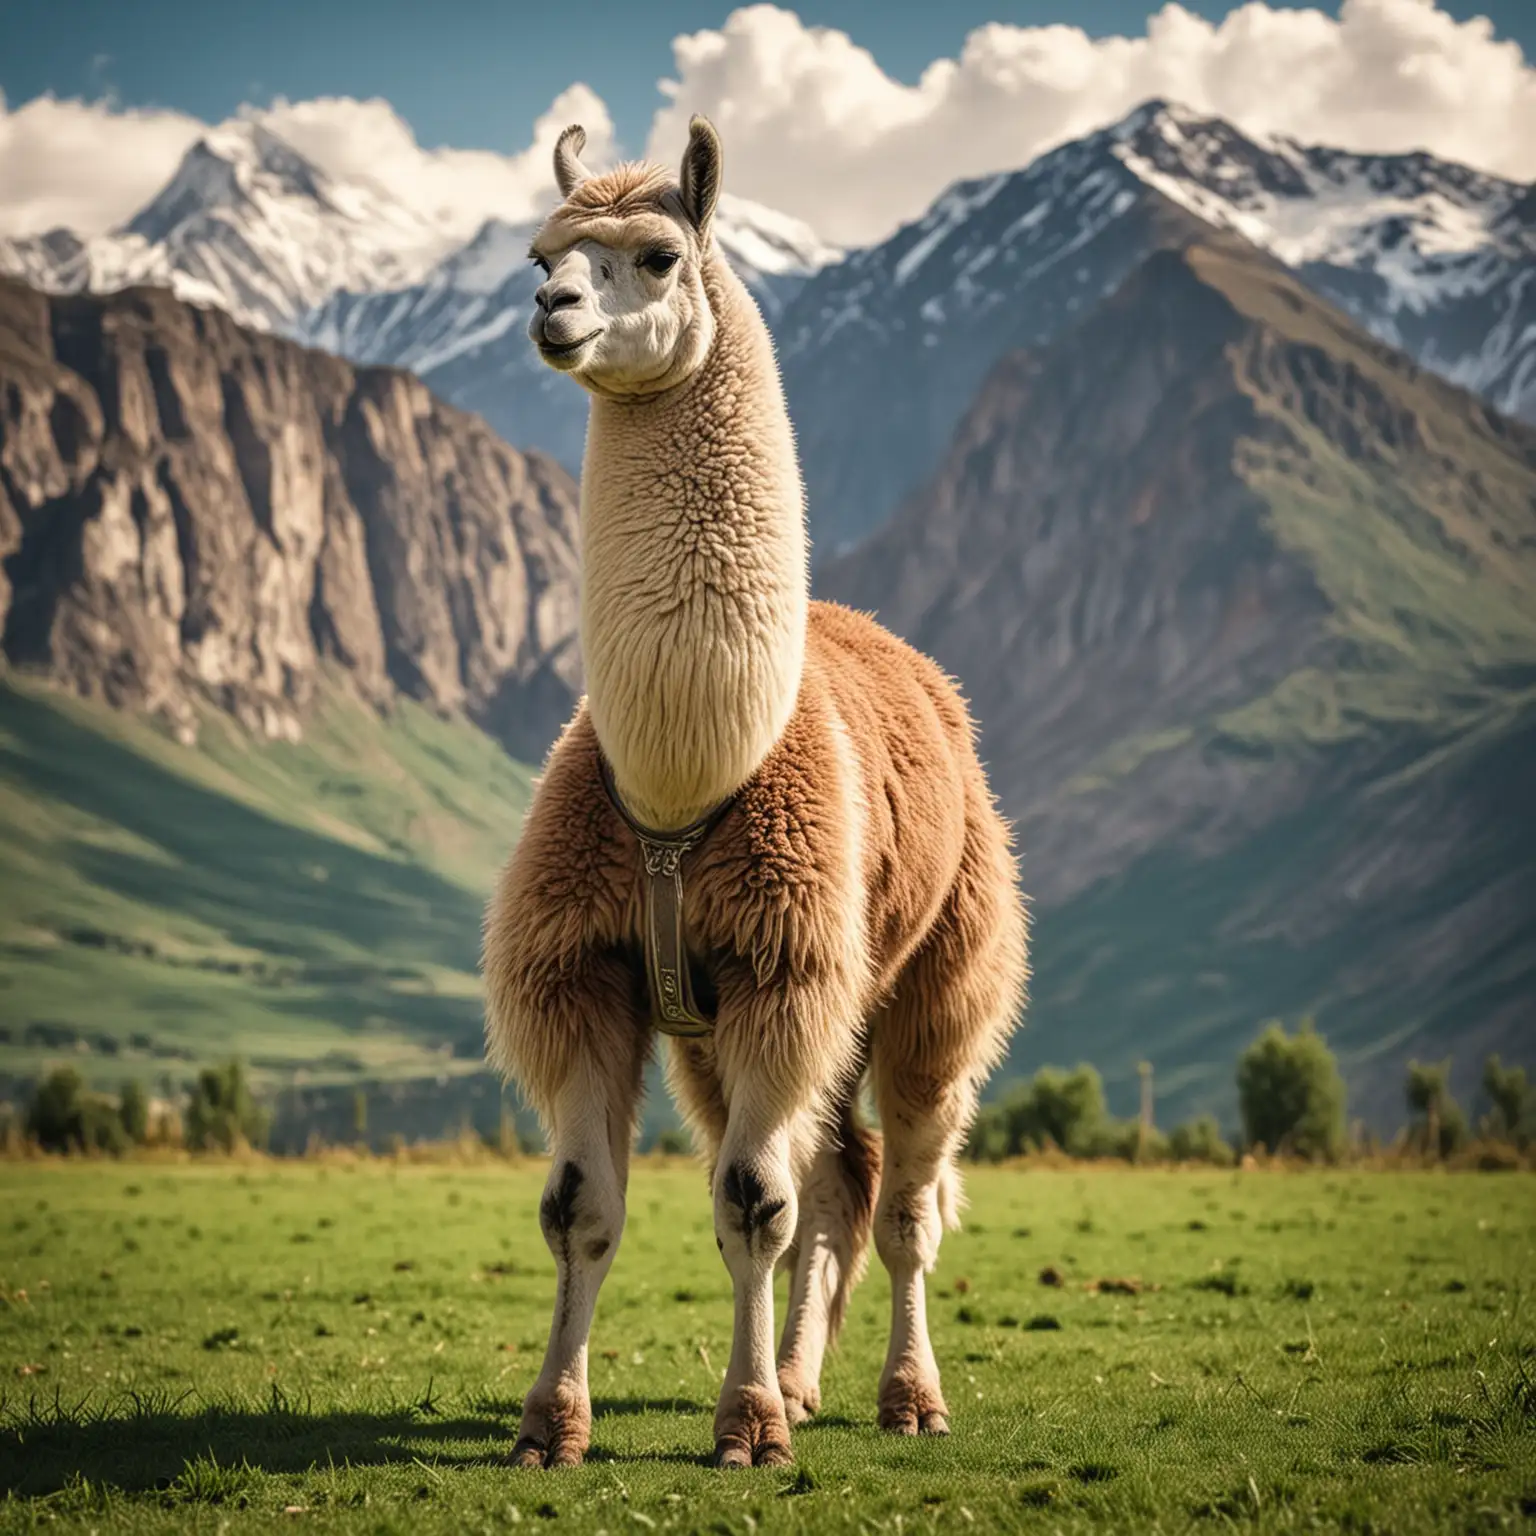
pixel 674 1009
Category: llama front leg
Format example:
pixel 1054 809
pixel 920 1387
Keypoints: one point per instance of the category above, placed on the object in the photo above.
pixel 582 1217
pixel 755 1217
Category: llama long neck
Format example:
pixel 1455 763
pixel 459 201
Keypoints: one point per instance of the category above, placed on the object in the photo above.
pixel 695 572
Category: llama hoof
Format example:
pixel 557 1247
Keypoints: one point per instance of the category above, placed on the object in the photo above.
pixel 751 1430
pixel 801 1399
pixel 733 1452
pixel 533 1453
pixel 913 1408
pixel 554 1432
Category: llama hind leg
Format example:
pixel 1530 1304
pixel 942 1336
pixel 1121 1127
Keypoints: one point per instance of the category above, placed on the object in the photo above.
pixel 582 1216
pixel 915 1205
pixel 934 1044
pixel 828 1258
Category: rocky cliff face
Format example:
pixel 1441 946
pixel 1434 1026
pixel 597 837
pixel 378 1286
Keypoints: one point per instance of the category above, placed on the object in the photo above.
pixel 190 510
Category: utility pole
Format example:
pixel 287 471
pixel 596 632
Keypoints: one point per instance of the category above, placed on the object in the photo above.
pixel 1144 1137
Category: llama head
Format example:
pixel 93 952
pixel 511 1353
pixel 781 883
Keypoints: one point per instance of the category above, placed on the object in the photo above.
pixel 623 308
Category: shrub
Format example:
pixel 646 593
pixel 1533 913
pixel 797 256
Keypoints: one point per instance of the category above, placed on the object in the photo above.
pixel 1291 1094
pixel 1123 1139
pixel 65 1117
pixel 1514 1102
pixel 1055 1108
pixel 221 1113
pixel 1200 1141
pixel 674 1143
pixel 133 1111
pixel 1437 1126
pixel 987 1141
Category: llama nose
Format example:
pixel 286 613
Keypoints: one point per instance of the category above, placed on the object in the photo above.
pixel 553 296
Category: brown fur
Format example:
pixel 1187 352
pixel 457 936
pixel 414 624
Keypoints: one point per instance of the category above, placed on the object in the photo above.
pixel 563 929
pixel 856 906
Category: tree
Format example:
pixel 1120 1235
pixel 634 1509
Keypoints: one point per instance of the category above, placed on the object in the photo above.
pixel 1514 1102
pixel 133 1111
pixel 221 1113
pixel 1438 1125
pixel 1291 1094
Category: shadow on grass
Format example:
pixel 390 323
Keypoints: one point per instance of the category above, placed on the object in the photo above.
pixel 150 1445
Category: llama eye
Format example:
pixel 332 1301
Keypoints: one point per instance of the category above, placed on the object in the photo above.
pixel 659 262
pixel 541 264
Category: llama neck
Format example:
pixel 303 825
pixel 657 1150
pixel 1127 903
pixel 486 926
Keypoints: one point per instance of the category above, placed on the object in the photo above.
pixel 695 572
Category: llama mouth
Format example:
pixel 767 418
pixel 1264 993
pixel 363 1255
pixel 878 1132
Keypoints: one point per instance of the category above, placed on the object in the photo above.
pixel 565 349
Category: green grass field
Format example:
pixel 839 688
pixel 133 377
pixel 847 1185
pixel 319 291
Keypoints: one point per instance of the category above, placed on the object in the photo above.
pixel 343 1347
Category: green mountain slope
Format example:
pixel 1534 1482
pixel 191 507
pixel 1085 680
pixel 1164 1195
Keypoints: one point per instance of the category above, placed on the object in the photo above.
pixel 1246 605
pixel 312 906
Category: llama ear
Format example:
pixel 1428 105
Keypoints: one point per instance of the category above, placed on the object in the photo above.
pixel 700 176
pixel 569 171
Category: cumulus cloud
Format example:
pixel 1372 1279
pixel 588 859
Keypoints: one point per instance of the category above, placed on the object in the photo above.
pixel 90 166
pixel 458 188
pixel 84 165
pixel 814 126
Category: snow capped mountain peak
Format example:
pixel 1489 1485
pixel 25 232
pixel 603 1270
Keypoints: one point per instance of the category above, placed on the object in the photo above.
pixel 246 223
pixel 1424 226
pixel 769 242
pixel 485 262
pixel 228 166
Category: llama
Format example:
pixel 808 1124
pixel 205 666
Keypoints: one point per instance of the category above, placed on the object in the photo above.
pixel 765 832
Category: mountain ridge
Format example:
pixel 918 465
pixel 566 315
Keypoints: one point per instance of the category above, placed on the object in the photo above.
pixel 1241 597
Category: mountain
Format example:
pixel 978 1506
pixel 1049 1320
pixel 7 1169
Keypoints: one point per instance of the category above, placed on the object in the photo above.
pixel 1246 603
pixel 191 511
pixel 463 328
pixel 1432 257
pixel 269 624
pixel 248 225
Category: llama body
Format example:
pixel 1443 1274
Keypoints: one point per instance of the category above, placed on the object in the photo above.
pixel 855 910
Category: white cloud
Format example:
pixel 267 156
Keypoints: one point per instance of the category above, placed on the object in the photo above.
pixel 90 166
pixel 812 125
pixel 815 127
pixel 84 165
pixel 459 188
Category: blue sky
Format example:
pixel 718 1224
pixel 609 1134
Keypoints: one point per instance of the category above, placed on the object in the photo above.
pixel 473 73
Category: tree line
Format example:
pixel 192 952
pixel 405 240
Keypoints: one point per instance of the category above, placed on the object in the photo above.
pixel 220 1114
pixel 1291 1099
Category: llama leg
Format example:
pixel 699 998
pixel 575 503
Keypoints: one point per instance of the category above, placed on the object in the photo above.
pixel 944 1029
pixel 916 1195
pixel 755 1219
pixel 827 1260
pixel 582 1217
